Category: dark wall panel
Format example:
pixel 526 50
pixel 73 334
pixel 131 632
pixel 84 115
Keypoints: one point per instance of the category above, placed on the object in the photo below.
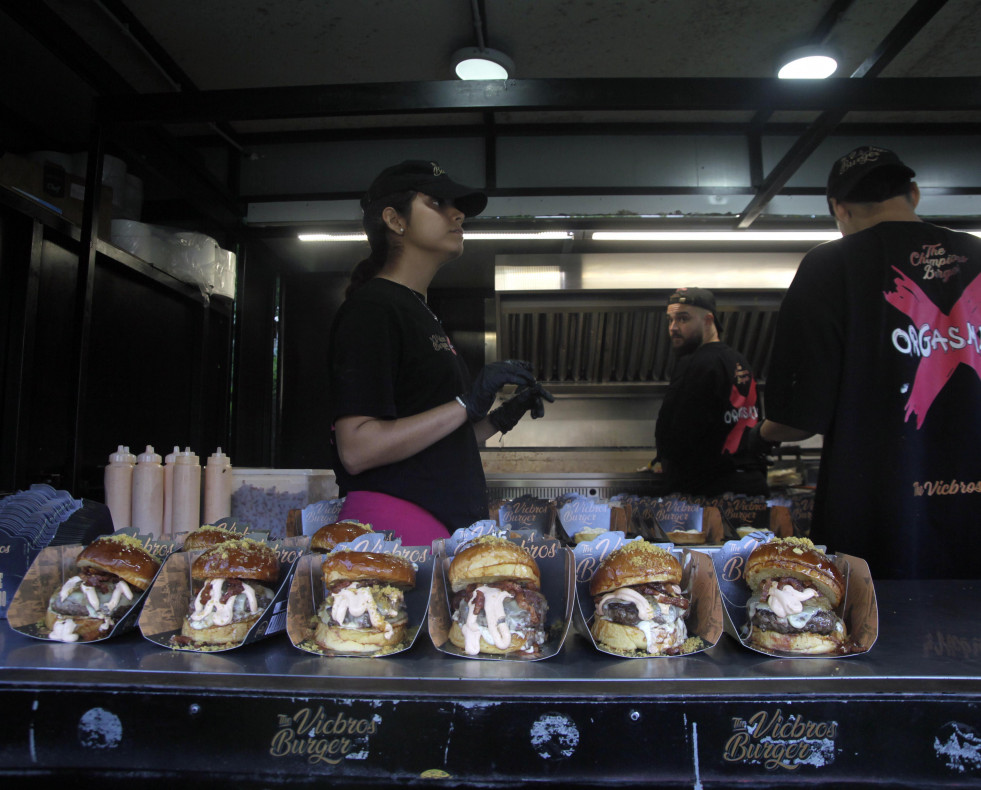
pixel 253 397
pixel 309 304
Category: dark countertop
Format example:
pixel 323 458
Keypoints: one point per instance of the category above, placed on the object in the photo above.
pixel 883 716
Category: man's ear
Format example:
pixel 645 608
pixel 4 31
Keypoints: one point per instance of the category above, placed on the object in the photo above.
pixel 842 212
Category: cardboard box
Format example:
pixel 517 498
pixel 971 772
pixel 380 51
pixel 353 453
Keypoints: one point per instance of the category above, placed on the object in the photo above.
pixel 555 562
pixel 307 593
pixel 263 498
pixel 858 609
pixel 173 590
pixel 52 568
pixel 55 189
pixel 704 620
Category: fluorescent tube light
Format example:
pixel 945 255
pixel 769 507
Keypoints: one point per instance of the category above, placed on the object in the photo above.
pixel 546 235
pixel 716 235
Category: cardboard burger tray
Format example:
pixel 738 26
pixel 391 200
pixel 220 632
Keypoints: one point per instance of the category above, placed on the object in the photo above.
pixel 705 618
pixel 858 608
pixel 173 590
pixel 557 567
pixel 307 593
pixel 53 566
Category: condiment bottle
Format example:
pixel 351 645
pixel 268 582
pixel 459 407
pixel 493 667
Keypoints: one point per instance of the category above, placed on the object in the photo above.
pixel 119 487
pixel 217 487
pixel 168 517
pixel 187 492
pixel 148 493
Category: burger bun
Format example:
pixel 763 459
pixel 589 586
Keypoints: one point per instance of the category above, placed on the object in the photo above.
pixel 237 559
pixel 636 562
pixel 358 641
pixel 491 559
pixel 799 559
pixel 518 642
pixel 123 556
pixel 329 535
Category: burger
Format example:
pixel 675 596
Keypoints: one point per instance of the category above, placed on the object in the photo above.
pixel 496 600
pixel 208 535
pixel 327 537
pixel 364 611
pixel 234 592
pixel 113 571
pixel 687 537
pixel 639 602
pixel 795 590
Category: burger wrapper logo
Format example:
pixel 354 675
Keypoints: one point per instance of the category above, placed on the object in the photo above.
pixel 55 565
pixel 858 609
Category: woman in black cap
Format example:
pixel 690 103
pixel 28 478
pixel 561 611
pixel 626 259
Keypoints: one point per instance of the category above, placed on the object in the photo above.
pixel 406 418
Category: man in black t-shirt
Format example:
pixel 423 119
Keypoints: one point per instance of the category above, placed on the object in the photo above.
pixel 709 405
pixel 878 348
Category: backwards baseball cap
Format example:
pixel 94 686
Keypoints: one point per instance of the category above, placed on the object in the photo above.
pixel 427 177
pixel 856 165
pixel 697 297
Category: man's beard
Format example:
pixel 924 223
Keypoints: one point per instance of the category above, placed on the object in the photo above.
pixel 687 347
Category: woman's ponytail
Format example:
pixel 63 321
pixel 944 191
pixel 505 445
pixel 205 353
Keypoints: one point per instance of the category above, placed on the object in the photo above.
pixel 377 233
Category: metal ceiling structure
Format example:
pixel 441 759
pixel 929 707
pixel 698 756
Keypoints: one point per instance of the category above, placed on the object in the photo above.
pixel 182 85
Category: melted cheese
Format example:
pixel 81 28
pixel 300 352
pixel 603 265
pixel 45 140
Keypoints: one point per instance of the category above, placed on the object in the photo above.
pixel 219 613
pixel 356 601
pixel 661 637
pixel 786 601
pixel 496 631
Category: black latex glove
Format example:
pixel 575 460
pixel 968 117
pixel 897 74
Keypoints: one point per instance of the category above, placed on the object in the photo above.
pixel 489 382
pixel 526 399
pixel 754 444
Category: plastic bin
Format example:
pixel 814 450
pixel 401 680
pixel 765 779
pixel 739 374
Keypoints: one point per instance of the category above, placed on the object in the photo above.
pixel 263 498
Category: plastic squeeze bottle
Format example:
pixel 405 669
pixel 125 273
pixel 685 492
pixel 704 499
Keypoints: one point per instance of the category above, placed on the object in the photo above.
pixel 119 487
pixel 217 487
pixel 187 492
pixel 168 516
pixel 148 493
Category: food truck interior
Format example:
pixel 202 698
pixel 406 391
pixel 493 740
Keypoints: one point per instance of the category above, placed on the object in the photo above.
pixel 221 132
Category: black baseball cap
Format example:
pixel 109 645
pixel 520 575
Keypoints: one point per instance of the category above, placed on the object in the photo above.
pixel 429 178
pixel 847 171
pixel 697 297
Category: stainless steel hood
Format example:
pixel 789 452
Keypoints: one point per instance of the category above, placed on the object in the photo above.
pixel 612 333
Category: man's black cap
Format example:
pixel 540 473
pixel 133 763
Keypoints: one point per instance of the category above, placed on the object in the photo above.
pixel 856 165
pixel 429 178
pixel 697 297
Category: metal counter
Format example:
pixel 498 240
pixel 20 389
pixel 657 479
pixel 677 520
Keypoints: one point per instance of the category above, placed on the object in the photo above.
pixel 906 713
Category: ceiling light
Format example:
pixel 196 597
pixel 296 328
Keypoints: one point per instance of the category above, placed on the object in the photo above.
pixel 807 63
pixel 717 235
pixel 545 235
pixel 476 63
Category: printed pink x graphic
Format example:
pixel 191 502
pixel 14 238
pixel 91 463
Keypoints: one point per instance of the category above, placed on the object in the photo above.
pixel 934 371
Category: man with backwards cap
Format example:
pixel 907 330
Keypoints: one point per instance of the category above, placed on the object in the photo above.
pixel 709 406
pixel 878 348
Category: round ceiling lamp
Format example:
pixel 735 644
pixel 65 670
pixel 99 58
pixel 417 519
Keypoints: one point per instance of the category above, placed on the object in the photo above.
pixel 476 63
pixel 807 63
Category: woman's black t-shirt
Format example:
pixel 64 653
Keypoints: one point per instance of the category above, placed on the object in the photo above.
pixel 390 358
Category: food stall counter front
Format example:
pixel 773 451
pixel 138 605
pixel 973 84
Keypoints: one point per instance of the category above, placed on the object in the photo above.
pixel 907 713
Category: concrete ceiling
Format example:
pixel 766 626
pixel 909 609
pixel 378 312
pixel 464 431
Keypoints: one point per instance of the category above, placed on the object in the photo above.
pixel 260 93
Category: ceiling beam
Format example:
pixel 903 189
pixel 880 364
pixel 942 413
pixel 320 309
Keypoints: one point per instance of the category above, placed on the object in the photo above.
pixel 894 42
pixel 607 94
